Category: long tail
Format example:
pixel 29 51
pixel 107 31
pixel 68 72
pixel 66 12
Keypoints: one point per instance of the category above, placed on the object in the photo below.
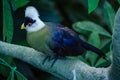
pixel 87 46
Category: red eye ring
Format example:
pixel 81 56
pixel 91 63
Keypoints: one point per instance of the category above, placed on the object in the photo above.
pixel 29 24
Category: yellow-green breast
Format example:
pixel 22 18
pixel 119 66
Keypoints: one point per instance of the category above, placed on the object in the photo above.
pixel 39 39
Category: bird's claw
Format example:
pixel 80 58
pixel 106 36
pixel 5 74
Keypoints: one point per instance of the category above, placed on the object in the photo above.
pixel 49 59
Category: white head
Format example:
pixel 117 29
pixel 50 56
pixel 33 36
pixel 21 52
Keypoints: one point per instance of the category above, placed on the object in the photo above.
pixel 32 21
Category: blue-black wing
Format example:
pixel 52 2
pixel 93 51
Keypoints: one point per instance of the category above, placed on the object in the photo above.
pixel 65 42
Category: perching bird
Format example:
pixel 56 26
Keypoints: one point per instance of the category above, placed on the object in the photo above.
pixel 53 40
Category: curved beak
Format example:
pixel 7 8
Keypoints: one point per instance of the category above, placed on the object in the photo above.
pixel 22 26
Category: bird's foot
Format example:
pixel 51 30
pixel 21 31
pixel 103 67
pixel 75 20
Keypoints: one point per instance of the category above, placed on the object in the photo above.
pixel 55 59
pixel 49 59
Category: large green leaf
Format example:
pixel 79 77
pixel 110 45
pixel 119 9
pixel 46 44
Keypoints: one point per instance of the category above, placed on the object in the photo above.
pixel 109 14
pixel 119 1
pixel 92 4
pixel 94 40
pixel 18 3
pixel 7 22
pixel 86 27
pixel 102 62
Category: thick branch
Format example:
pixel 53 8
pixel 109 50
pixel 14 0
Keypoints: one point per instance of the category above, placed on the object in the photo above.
pixel 62 68
pixel 115 67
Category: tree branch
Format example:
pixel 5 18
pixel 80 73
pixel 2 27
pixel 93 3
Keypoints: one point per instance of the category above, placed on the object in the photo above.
pixel 115 67
pixel 69 69
pixel 35 58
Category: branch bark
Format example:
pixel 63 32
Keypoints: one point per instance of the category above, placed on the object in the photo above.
pixel 35 58
pixel 115 67
pixel 69 69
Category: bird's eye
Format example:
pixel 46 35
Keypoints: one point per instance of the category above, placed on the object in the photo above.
pixel 29 24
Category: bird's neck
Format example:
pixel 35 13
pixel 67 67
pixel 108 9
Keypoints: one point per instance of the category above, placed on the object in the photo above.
pixel 40 24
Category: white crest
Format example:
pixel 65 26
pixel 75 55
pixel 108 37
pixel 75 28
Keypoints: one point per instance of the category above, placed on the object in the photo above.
pixel 32 13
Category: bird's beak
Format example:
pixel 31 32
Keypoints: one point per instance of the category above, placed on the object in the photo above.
pixel 22 26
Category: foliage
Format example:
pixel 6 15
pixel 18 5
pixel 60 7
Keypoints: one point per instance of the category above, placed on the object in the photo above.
pixel 109 15
pixel 7 22
pixel 7 36
pixel 92 7
pixel 95 34
pixel 86 27
pixel 13 70
pixel 96 27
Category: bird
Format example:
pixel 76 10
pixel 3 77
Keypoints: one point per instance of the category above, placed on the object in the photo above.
pixel 53 39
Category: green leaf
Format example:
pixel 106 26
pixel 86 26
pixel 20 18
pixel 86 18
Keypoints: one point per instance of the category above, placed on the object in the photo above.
pixel 119 1
pixel 86 27
pixel 92 4
pixel 5 70
pixel 109 14
pixel 20 76
pixel 105 41
pixel 18 3
pixel 102 62
pixel 11 76
pixel 7 22
pixel 94 40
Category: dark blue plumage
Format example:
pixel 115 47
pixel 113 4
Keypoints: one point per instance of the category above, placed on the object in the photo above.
pixel 66 42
